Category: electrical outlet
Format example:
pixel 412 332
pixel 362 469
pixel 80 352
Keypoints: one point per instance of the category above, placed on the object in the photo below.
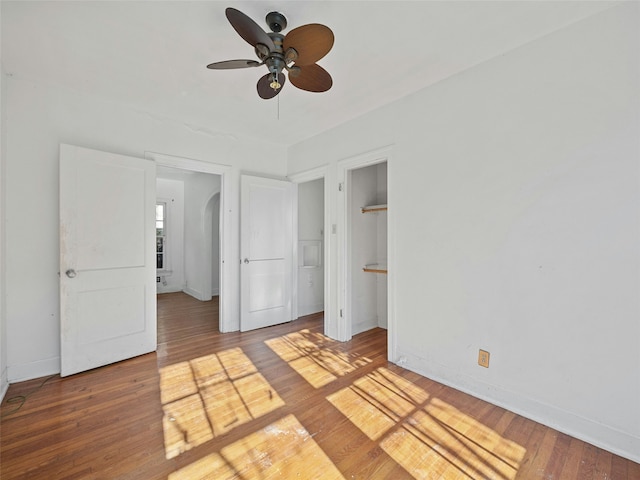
pixel 483 358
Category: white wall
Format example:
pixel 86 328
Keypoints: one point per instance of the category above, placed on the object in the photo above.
pixel 4 383
pixel 516 206
pixel 172 193
pixel 40 117
pixel 310 229
pixel 199 189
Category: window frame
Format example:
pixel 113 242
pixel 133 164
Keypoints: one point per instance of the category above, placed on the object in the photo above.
pixel 165 252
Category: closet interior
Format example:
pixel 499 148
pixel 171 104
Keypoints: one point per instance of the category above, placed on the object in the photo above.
pixel 368 247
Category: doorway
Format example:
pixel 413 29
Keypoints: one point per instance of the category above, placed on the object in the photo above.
pixel 206 186
pixel 365 273
pixel 315 225
pixel 187 241
pixel 187 225
pixel 310 268
pixel 367 243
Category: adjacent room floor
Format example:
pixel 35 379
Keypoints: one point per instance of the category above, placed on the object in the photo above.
pixel 280 402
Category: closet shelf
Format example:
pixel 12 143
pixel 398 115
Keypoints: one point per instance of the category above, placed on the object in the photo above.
pixel 374 208
pixel 375 268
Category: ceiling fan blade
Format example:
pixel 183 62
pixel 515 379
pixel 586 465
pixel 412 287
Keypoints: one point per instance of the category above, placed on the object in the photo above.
pixel 248 29
pixel 312 78
pixel 312 42
pixel 264 86
pixel 228 64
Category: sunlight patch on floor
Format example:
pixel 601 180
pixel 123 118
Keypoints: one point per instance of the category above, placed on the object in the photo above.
pixel 376 402
pixel 283 449
pixel 315 357
pixel 426 436
pixel 208 396
pixel 440 439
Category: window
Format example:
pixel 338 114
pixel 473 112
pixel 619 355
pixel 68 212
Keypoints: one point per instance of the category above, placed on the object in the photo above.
pixel 161 236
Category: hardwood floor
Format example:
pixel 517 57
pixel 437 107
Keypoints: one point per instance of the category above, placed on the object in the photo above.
pixel 282 402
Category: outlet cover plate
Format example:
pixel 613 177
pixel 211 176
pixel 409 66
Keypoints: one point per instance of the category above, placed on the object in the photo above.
pixel 483 358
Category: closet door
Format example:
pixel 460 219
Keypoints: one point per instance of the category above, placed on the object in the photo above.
pixel 266 246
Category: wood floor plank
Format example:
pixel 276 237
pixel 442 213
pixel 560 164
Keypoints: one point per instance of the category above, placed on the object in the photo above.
pixel 633 470
pixel 603 465
pixel 588 462
pixel 558 454
pixel 273 385
pixel 573 459
pixel 619 468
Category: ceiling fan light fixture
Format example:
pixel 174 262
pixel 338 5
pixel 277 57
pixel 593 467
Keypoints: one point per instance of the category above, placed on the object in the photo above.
pixel 275 84
pixel 262 51
pixel 290 55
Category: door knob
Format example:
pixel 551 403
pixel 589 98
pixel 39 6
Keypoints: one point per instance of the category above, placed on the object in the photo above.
pixel 246 260
pixel 71 273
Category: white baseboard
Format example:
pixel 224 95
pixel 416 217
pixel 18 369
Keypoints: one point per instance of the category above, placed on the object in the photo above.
pixel 168 288
pixel 196 294
pixel 602 436
pixel 4 384
pixel 29 371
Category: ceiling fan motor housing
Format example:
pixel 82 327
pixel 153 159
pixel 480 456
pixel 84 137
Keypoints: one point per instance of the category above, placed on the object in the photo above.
pixel 275 60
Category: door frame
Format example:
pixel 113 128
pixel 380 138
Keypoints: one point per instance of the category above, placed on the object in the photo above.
pixel 212 205
pixel 229 296
pixel 330 321
pixel 344 168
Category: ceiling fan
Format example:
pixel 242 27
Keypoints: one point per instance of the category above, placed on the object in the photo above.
pixel 296 52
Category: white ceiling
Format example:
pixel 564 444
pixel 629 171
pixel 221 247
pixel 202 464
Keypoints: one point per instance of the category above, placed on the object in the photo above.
pixel 152 54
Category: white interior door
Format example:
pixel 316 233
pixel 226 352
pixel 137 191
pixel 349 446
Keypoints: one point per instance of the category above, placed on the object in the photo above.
pixel 107 252
pixel 266 232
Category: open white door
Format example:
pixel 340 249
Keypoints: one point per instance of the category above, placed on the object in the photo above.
pixel 266 232
pixel 107 251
